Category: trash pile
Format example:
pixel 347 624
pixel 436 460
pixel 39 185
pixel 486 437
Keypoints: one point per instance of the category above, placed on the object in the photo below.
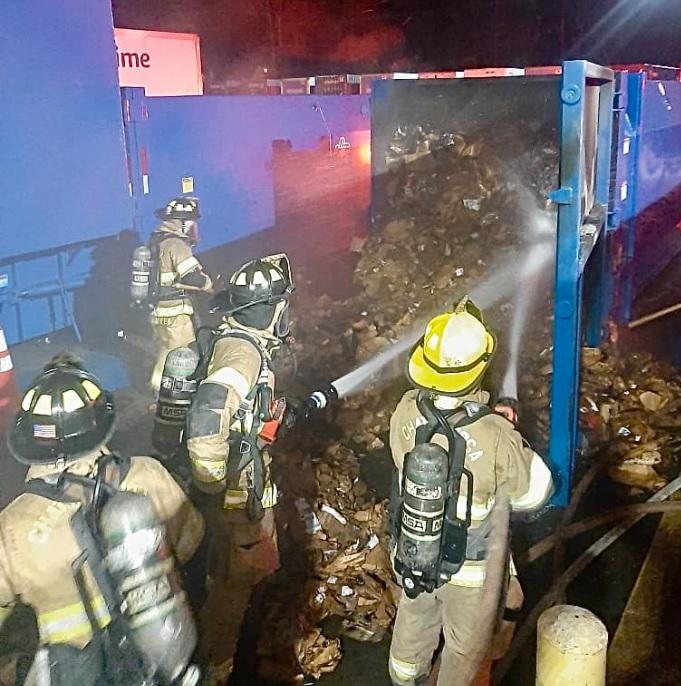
pixel 629 407
pixel 451 214
pixel 345 577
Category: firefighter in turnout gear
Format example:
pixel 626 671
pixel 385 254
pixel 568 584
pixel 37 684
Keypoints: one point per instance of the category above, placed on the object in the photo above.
pixel 97 626
pixel 230 424
pixel 452 455
pixel 176 274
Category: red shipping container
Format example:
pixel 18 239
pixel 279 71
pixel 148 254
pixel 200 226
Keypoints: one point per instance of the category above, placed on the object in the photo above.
pixel 440 74
pixel 544 71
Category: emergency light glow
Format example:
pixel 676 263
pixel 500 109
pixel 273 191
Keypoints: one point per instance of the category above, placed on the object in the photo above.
pixel 364 153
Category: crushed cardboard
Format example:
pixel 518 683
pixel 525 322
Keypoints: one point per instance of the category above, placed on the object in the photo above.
pixel 629 410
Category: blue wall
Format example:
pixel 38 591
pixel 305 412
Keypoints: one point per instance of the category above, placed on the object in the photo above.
pixel 647 192
pixel 659 170
pixel 64 178
pixel 225 144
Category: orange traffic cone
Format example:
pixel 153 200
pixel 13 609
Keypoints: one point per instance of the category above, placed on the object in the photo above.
pixel 8 385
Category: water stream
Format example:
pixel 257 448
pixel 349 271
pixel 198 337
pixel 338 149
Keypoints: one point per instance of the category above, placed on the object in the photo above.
pixel 518 277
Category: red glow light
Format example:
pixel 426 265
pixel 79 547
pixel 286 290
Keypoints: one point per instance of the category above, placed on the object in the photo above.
pixel 364 153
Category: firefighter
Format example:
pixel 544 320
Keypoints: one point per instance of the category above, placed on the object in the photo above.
pixel 176 275
pixel 229 426
pixel 442 588
pixel 51 555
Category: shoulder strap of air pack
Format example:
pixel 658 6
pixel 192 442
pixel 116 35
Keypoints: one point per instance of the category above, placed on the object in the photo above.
pixel 155 276
pixel 83 527
pixel 43 489
pixel 446 423
pixel 465 415
pixel 206 354
pixel 56 492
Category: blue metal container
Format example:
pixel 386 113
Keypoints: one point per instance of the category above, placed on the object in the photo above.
pixel 66 181
pixel 647 189
pixel 221 149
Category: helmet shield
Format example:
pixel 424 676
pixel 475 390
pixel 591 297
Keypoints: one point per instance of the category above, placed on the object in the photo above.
pixel 64 415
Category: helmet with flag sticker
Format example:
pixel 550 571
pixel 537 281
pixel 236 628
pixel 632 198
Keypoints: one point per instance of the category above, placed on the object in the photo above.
pixel 454 352
pixel 65 414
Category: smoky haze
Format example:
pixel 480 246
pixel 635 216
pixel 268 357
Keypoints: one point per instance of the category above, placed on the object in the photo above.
pixel 299 37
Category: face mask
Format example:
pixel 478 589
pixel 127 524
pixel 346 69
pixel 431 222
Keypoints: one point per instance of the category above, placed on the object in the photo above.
pixel 282 328
pixel 191 230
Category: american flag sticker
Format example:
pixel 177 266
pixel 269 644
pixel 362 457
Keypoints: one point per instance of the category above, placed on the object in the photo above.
pixel 44 431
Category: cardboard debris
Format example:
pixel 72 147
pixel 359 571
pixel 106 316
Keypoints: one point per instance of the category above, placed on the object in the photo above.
pixel 629 409
pixel 319 654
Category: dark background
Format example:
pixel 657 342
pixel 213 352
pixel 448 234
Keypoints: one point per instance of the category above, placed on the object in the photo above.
pixel 240 38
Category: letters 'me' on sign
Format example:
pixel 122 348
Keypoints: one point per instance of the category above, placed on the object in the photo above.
pixel 162 63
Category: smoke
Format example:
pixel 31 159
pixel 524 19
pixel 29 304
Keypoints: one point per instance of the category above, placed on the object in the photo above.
pixel 518 278
pixel 507 279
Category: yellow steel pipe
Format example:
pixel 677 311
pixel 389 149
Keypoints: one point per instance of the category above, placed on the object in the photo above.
pixel 572 645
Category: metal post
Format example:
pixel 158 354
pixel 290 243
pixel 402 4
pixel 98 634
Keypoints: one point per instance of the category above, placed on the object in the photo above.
pixel 600 302
pixel 571 256
pixel 566 326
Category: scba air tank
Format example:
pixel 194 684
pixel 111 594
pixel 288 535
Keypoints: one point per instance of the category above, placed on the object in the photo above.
pixel 424 493
pixel 174 400
pixel 141 274
pixel 138 558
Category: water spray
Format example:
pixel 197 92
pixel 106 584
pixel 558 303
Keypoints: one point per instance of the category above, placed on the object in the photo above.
pixel 540 223
pixel 513 276
pixel 526 294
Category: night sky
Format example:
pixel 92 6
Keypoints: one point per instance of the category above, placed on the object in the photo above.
pixel 300 37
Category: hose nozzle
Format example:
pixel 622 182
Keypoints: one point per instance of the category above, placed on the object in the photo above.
pixel 322 398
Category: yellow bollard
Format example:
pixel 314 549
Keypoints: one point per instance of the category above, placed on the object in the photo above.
pixel 572 644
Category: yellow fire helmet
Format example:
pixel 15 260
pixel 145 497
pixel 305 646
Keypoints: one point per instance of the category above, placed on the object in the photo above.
pixel 454 353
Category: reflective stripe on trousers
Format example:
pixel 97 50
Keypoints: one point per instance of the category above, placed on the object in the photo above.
pixel 402 673
pixel 71 622
pixel 162 311
pixel 209 471
pixel 236 498
pixel 473 573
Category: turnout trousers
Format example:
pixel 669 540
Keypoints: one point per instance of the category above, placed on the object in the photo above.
pixel 452 610
pixel 242 553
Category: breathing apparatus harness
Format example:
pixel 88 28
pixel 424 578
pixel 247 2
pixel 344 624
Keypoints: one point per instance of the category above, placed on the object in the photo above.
pixel 125 662
pixel 258 414
pixel 432 540
pixel 158 292
pixel 120 653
